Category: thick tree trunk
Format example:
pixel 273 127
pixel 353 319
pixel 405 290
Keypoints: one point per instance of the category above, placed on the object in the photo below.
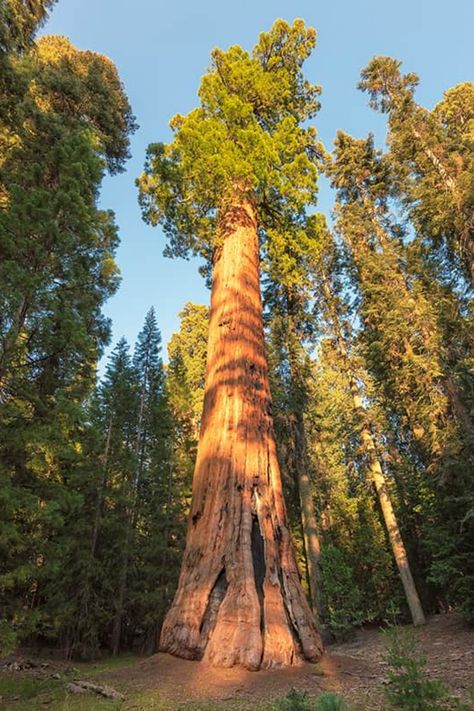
pixel 239 599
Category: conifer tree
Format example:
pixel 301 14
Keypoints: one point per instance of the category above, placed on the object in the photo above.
pixel 149 559
pixel 432 151
pixel 332 308
pixel 236 163
pixel 70 120
pixel 289 257
pixel 358 582
pixel 401 336
pixel 408 346
pixel 19 20
pixel 187 352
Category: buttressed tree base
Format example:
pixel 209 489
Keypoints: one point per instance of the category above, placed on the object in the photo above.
pixel 239 599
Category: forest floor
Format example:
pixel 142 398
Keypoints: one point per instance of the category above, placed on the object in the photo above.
pixel 356 670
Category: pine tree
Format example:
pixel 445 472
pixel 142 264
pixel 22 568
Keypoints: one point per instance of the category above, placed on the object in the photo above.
pixel 152 464
pixel 236 162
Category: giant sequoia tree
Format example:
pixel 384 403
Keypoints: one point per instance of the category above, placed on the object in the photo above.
pixel 238 163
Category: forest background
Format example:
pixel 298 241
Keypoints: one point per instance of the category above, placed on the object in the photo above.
pixel 369 337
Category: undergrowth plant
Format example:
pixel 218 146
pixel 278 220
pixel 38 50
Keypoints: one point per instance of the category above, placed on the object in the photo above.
pixel 409 688
pixel 300 701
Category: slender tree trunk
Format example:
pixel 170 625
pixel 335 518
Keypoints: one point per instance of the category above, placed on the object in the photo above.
pixel 10 342
pixel 308 519
pixel 239 598
pixel 391 523
pixel 309 523
pixel 100 493
pixel 377 475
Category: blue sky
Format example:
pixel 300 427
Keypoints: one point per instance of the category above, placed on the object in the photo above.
pixel 161 49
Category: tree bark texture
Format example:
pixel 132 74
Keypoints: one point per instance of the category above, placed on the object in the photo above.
pixel 239 599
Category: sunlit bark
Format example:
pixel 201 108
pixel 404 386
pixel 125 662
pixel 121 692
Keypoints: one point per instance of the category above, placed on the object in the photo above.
pixel 239 598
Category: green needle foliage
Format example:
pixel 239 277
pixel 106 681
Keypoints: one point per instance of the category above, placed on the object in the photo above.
pixel 245 135
pixel 433 156
pixel 409 688
pixel 57 269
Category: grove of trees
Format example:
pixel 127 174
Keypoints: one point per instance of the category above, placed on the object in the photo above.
pixel 303 462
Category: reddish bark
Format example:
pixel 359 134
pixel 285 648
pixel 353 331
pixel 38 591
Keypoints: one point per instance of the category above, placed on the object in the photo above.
pixel 239 599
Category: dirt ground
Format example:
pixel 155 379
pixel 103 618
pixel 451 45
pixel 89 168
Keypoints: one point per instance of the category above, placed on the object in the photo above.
pixel 354 669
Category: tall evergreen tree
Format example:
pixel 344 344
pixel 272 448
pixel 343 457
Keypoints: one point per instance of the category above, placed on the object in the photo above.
pixel 432 151
pixel 57 268
pixel 235 164
pixel 290 255
pixel 186 374
pixel 332 308
pixel 407 347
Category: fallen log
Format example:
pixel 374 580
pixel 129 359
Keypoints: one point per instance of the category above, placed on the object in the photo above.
pixel 78 686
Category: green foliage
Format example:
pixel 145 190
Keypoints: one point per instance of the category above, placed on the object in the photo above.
pixel 95 478
pixel 294 701
pixel 300 701
pixel 19 20
pixel 343 598
pixel 245 137
pixel 413 343
pixel 431 152
pixel 187 351
pixel 64 119
pixel 408 687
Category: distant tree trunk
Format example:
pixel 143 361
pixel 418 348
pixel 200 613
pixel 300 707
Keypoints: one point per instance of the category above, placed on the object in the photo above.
pixel 10 341
pixel 101 491
pixel 308 519
pixel 391 523
pixel 377 475
pixel 239 598
pixel 309 523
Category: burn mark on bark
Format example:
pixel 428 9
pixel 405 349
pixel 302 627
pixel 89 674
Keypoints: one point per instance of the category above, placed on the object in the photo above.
pixel 215 599
pixel 196 517
pixel 258 559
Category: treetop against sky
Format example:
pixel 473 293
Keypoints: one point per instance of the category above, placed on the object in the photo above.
pixel 163 49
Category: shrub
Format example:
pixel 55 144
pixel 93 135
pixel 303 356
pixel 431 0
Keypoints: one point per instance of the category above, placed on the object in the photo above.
pixel 342 597
pixel 300 701
pixel 409 688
